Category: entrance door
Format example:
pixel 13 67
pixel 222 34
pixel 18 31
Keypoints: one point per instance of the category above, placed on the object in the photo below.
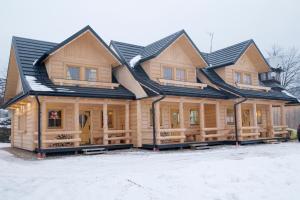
pixel 85 127
pixel 246 117
pixel 174 118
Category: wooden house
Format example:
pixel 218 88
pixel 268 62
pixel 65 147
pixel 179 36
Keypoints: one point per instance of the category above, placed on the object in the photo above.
pixel 82 93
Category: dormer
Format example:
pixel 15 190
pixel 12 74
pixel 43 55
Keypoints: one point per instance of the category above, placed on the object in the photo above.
pixel 240 65
pixel 81 60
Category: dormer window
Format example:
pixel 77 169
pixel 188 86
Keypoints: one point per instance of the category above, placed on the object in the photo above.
pixel 247 79
pixel 168 73
pixel 237 77
pixel 90 74
pixel 180 74
pixel 73 73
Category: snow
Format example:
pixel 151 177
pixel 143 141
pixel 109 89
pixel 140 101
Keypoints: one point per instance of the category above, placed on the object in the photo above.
pixel 35 85
pixel 269 172
pixel 135 60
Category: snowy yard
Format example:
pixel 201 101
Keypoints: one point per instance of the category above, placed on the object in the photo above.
pixel 248 172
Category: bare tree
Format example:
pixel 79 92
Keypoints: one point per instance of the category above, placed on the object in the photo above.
pixel 289 61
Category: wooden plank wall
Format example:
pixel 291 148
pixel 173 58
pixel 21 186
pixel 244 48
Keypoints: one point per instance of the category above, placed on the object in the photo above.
pixel 293 116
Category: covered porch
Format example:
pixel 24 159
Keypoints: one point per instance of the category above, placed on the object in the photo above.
pixel 77 123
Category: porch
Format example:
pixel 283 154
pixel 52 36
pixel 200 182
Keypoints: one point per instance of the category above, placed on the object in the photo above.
pixel 74 124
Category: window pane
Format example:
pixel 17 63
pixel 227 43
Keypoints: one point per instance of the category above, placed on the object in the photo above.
pixel 194 117
pixel 180 74
pixel 54 119
pixel 259 116
pixel 73 73
pixel 230 116
pixel 91 74
pixel 247 79
pixel 168 73
pixel 237 77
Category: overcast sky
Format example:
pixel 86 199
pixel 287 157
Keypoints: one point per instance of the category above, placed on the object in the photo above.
pixel 141 22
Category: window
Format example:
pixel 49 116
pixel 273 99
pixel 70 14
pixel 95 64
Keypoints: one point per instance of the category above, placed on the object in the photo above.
pixel 175 118
pixel 180 74
pixel 247 79
pixel 237 77
pixel 230 116
pixel 194 119
pixel 259 116
pixel 73 73
pixel 168 73
pixel 90 74
pixel 54 119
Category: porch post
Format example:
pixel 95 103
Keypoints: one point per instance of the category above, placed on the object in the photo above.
pixel 105 125
pixel 217 116
pixel 127 134
pixel 139 123
pixel 76 122
pixel 239 120
pixel 43 122
pixel 255 119
pixel 270 120
pixel 157 122
pixel 181 118
pixel 201 121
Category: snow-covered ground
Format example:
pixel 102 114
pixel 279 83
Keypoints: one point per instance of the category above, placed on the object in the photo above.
pixel 248 172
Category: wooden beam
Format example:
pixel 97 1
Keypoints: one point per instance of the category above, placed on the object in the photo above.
pixel 157 121
pixel 76 122
pixel 183 83
pixel 181 118
pixel 201 121
pixel 85 83
pixel 239 119
pixel 139 123
pixel 270 121
pixel 218 115
pixel 256 87
pixel 105 125
pixel 255 119
pixel 127 133
pixel 43 121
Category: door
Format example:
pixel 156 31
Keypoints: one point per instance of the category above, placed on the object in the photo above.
pixel 85 127
pixel 246 117
pixel 174 118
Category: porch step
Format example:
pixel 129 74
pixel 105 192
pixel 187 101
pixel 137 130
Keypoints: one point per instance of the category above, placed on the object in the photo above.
pixel 200 146
pixel 271 141
pixel 93 151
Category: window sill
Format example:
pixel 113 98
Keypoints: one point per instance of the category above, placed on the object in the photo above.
pixel 182 83
pixel 85 83
pixel 255 87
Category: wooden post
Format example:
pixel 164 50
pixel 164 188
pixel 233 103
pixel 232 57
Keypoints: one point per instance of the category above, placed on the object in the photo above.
pixel 44 122
pixel 201 121
pixel 105 125
pixel 217 116
pixel 181 118
pixel 255 119
pixel 76 122
pixel 270 120
pixel 239 120
pixel 139 123
pixel 157 122
pixel 127 134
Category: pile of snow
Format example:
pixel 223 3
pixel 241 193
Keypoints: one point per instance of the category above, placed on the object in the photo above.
pixel 135 60
pixel 268 172
pixel 35 85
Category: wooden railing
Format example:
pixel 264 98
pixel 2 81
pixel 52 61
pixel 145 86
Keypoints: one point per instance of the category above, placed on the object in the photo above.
pixel 85 83
pixel 59 138
pixel 170 135
pixel 113 136
pixel 255 87
pixel 252 132
pixel 280 131
pixel 183 83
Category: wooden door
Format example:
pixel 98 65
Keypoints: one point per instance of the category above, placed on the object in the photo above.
pixel 85 127
pixel 174 118
pixel 246 117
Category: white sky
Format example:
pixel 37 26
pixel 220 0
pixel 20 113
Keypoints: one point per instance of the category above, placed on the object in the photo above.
pixel 268 22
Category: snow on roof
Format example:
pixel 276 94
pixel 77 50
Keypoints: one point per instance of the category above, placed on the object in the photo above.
pixel 35 85
pixel 135 60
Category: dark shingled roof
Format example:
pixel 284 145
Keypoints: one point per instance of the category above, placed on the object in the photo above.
pixel 27 51
pixel 128 51
pixel 272 94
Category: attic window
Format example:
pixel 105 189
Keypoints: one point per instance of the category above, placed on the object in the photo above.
pixel 91 74
pixel 168 73
pixel 237 77
pixel 73 73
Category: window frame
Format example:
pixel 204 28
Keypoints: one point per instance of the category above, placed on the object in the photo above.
pixel 85 73
pixel 250 78
pixel 229 123
pixel 184 74
pixel 234 77
pixel 67 72
pixel 172 73
pixel 197 121
pixel 61 118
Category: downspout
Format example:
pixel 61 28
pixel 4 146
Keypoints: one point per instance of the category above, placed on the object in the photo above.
pixel 235 119
pixel 153 120
pixel 39 126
